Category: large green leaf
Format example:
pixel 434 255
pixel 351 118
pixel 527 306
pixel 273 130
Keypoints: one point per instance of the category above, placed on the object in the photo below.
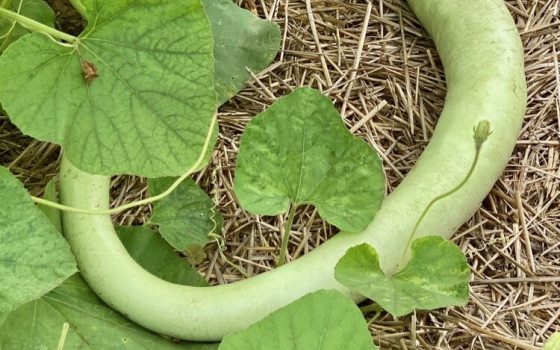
pixel 37 10
pixel 324 320
pixel 90 324
pixel 156 256
pixel 185 218
pixel 299 151
pixel 148 111
pixel 241 40
pixel 34 258
pixel 437 275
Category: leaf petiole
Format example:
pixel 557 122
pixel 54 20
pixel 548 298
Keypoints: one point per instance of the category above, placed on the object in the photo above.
pixel 79 7
pixel 35 26
pixel 286 236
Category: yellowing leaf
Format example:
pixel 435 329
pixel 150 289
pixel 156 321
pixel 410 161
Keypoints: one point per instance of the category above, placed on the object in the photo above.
pixel 437 275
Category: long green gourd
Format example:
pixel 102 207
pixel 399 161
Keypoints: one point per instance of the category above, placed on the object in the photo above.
pixel 483 59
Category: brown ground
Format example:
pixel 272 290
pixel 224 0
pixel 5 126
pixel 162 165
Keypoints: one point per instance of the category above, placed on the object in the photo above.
pixel 392 100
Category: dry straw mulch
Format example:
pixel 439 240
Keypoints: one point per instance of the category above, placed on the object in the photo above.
pixel 383 73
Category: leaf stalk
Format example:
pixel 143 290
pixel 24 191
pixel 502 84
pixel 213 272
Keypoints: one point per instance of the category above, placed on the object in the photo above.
pixel 79 7
pixel 286 236
pixel 37 26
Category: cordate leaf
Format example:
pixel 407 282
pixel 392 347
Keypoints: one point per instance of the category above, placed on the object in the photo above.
pixel 242 41
pixel 186 217
pixel 437 275
pixel 89 324
pixel 300 152
pixel 135 95
pixel 34 258
pixel 156 256
pixel 325 320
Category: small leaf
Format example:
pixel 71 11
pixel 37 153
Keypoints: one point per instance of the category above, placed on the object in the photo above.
pixel 148 110
pixel 53 214
pixel 299 151
pixel 437 275
pixel 37 10
pixel 186 217
pixel 325 320
pixel 157 257
pixel 91 324
pixel 241 41
pixel 34 258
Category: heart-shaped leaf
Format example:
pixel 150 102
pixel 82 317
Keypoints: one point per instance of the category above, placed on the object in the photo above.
pixel 37 10
pixel 186 217
pixel 241 41
pixel 437 275
pixel 134 95
pixel 34 258
pixel 325 320
pixel 299 151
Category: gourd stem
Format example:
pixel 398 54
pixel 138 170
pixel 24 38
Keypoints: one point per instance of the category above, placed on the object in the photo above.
pixel 437 199
pixel 150 200
pixel 36 26
pixel 286 236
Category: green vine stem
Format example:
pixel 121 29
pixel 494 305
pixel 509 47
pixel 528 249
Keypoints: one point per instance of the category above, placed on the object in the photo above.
pixel 152 199
pixel 36 26
pixel 286 236
pixel 79 7
pixel 480 134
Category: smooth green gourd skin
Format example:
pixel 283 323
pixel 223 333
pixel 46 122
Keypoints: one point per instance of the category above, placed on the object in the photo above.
pixel 483 59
